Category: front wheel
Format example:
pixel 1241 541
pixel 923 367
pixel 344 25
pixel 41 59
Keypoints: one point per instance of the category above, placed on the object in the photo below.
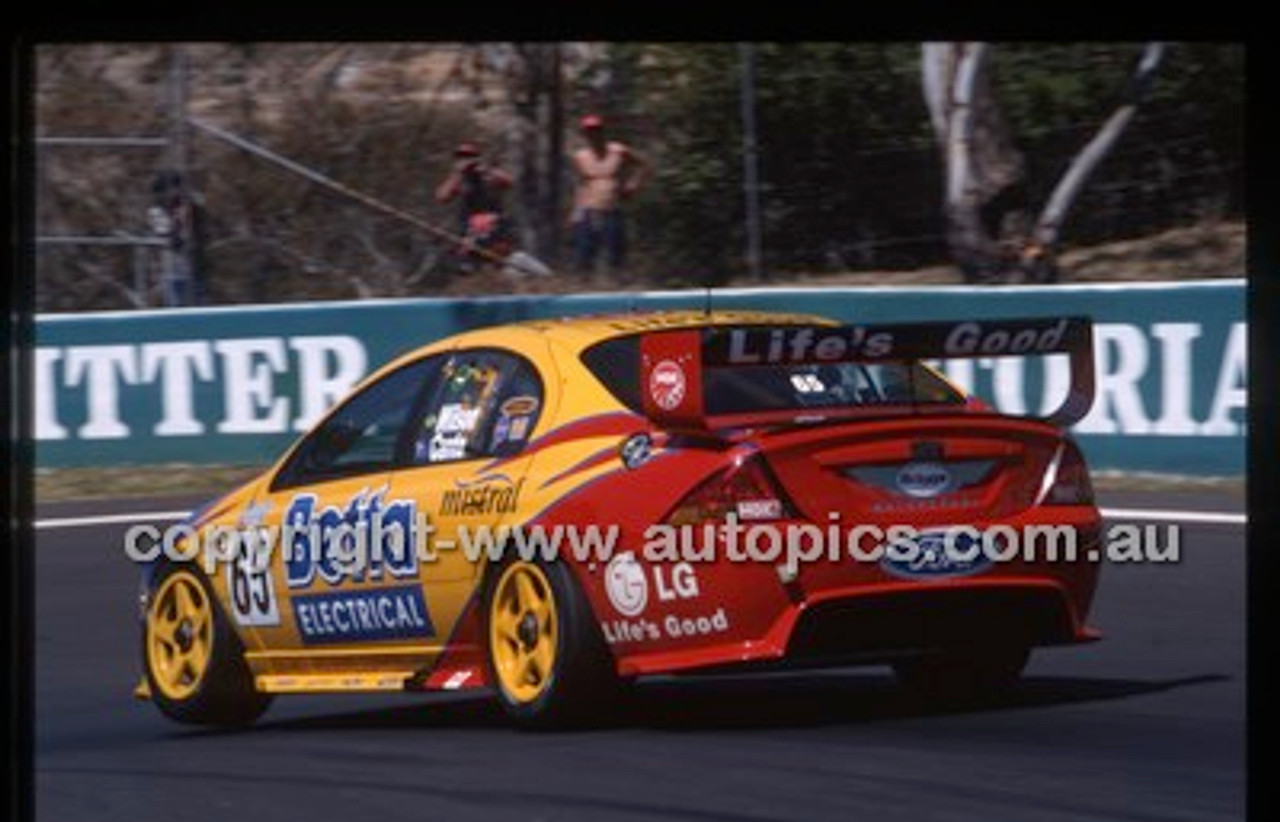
pixel 194 661
pixel 546 658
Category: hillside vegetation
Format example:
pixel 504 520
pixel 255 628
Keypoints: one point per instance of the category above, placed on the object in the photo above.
pixel 850 178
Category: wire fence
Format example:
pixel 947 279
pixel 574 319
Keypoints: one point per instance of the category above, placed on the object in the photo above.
pixel 345 112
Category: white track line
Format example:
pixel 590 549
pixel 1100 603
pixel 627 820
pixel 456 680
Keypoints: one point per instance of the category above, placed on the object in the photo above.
pixel 110 519
pixel 1139 514
pixel 1175 516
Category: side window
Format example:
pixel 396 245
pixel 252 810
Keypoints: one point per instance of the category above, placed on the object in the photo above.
pixel 485 405
pixel 364 434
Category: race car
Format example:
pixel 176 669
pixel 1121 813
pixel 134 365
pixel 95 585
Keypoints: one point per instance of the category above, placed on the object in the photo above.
pixel 552 509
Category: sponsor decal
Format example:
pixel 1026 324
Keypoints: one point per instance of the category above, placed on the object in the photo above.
pixel 626 584
pixel 759 509
pixel 681 583
pixel 923 479
pixel 670 627
pixel 628 588
pixel 974 338
pixel 932 560
pixel 515 417
pixel 521 406
pixel 519 429
pixel 667 384
pixel 453 430
pixel 752 346
pixel 636 450
pixel 501 430
pixel 362 616
pixel 365 540
pixel 493 494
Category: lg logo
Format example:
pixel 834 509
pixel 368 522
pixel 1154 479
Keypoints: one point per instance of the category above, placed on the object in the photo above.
pixel 625 582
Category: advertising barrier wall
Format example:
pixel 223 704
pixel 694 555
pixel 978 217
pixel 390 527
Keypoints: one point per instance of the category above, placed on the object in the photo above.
pixel 236 384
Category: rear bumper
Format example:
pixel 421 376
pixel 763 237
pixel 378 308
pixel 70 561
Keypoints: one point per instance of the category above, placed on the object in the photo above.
pixel 846 613
pixel 876 624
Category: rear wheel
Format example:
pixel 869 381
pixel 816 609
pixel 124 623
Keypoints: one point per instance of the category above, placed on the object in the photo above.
pixel 194 662
pixel 967 672
pixel 546 659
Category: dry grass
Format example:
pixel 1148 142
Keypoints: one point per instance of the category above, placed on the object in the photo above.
pixel 54 484
pixel 1211 249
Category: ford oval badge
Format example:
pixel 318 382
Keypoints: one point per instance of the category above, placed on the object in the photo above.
pixel 923 479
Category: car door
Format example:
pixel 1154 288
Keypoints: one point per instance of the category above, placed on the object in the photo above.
pixel 324 592
pixel 463 465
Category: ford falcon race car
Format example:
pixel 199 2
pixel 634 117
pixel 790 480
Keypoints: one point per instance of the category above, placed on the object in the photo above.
pixel 722 459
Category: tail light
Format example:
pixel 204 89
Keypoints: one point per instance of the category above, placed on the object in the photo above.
pixel 1071 484
pixel 747 490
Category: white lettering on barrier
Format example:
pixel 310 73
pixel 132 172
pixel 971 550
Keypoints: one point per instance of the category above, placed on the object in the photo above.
pixel 255 402
pixel 176 361
pixel 248 368
pixel 1175 377
pixel 102 368
pixel 1120 352
pixel 319 386
pixel 46 391
pixel 1230 393
pixel 244 369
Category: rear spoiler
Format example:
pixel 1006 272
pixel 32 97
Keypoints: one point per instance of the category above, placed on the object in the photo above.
pixel 673 363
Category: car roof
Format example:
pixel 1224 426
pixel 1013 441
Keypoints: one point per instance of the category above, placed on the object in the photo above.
pixel 584 331
pixel 581 332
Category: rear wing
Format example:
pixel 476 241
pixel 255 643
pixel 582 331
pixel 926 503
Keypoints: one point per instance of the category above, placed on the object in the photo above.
pixel 675 364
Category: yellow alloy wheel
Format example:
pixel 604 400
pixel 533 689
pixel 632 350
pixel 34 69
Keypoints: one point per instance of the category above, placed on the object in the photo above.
pixel 180 635
pixel 523 631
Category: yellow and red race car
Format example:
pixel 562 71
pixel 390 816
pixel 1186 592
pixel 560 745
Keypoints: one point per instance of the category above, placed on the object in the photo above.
pixel 553 508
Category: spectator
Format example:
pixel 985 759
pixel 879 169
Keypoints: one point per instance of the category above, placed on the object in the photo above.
pixel 478 188
pixel 605 172
pixel 177 215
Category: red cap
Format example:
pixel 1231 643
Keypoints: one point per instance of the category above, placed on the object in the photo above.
pixel 467 150
pixel 591 121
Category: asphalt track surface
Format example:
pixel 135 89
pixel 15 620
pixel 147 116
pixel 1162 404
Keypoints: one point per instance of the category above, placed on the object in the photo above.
pixel 1148 724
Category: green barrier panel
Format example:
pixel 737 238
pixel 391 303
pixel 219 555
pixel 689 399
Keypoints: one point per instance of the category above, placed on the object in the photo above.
pixel 237 384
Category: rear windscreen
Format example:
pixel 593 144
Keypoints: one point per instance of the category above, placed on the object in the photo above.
pixel 616 363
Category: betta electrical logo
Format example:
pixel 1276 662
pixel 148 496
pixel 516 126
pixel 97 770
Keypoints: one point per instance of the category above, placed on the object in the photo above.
pixel 364 540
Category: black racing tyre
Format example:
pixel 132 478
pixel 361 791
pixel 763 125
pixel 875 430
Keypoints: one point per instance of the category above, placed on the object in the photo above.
pixel 193 660
pixel 546 659
pixel 963 673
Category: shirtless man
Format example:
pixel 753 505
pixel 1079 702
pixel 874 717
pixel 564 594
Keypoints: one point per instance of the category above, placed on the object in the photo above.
pixel 605 172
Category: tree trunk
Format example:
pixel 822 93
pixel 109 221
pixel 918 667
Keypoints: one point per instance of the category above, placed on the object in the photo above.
pixel 534 89
pixel 1041 251
pixel 983 170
